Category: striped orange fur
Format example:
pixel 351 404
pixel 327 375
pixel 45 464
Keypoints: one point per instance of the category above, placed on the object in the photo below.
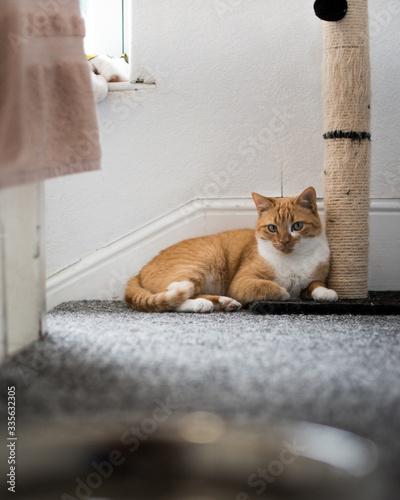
pixel 287 255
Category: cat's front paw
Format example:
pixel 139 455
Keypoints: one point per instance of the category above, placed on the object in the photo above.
pixel 278 293
pixel 228 304
pixel 285 294
pixel 322 294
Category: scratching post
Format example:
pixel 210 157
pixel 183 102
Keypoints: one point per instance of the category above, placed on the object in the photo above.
pixel 346 94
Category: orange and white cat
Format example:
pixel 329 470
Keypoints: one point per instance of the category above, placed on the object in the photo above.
pixel 286 256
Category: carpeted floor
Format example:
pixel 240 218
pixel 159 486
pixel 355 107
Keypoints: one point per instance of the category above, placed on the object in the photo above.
pixel 103 357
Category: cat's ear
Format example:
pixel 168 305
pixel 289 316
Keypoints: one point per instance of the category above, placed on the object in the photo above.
pixel 262 203
pixel 308 199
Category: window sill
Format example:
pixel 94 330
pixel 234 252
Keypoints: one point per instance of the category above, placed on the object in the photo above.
pixel 128 86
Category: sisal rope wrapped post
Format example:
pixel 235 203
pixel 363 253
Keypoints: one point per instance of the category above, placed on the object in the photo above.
pixel 347 97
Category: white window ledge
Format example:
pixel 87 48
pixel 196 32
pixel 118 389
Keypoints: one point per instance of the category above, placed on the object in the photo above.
pixel 124 86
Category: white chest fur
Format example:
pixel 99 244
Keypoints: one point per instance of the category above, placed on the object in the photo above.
pixel 294 271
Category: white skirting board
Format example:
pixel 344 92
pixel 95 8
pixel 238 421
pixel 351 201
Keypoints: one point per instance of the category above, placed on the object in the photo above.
pixel 103 274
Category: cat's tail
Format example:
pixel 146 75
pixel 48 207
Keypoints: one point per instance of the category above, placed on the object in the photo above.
pixel 142 300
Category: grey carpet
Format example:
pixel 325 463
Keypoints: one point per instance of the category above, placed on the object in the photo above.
pixel 103 357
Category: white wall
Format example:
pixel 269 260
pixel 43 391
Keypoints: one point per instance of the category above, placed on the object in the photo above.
pixel 237 109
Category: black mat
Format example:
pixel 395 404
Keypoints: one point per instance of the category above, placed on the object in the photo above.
pixel 386 303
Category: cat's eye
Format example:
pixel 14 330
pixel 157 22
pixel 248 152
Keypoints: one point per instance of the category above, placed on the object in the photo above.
pixel 272 228
pixel 297 226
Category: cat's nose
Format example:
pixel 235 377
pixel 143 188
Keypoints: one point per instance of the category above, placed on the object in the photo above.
pixel 284 239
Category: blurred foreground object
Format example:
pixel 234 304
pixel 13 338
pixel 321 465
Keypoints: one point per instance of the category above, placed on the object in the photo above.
pixel 198 455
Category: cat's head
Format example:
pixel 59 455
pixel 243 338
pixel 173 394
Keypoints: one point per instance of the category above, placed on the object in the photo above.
pixel 285 222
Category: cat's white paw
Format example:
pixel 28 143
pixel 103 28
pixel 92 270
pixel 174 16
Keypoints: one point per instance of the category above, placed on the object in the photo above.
pixel 196 305
pixel 322 294
pixel 228 304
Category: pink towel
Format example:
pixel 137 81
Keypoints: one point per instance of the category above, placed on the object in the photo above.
pixel 48 123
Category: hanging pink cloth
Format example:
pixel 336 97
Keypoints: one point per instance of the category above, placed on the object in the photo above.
pixel 48 123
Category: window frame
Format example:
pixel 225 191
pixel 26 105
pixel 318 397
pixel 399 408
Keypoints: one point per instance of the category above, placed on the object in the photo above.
pixel 122 31
pixel 105 33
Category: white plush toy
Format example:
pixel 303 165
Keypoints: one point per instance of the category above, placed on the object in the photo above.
pixel 107 69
